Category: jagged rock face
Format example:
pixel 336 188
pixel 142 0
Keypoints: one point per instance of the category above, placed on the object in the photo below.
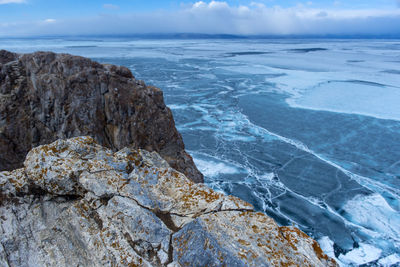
pixel 46 96
pixel 76 203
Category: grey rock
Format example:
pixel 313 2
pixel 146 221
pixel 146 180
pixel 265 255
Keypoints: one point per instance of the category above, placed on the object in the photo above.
pixel 76 203
pixel 244 238
pixel 46 96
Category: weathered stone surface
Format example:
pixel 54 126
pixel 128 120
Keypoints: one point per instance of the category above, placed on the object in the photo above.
pixel 76 203
pixel 46 96
pixel 244 238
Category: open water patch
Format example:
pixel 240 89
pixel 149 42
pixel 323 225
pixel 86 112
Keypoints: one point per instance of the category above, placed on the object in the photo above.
pixel 392 71
pixel 246 53
pixel 307 50
pixel 81 46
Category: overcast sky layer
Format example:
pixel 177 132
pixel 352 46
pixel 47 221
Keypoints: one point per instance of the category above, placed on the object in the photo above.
pixel 243 17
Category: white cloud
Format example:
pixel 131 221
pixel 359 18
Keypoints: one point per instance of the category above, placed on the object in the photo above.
pixel 218 17
pixel 199 4
pixel 257 18
pixel 2 2
pixel 49 20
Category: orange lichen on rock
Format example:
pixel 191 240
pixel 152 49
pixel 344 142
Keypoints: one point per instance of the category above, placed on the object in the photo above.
pixel 124 209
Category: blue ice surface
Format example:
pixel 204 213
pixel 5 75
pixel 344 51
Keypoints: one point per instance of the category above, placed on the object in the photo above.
pixel 307 131
pixel 354 97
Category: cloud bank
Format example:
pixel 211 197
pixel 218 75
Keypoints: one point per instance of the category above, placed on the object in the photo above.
pixel 217 17
pixel 2 2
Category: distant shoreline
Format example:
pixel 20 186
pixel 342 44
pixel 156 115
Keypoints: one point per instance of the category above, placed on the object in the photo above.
pixel 184 36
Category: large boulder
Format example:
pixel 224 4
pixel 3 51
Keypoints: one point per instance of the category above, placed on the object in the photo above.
pixel 75 203
pixel 46 96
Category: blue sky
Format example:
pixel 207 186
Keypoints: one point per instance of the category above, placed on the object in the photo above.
pixel 276 17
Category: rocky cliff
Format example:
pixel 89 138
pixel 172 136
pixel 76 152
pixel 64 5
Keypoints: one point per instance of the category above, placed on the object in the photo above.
pixel 76 203
pixel 46 96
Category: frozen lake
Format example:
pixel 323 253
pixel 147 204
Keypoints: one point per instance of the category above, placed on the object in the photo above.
pixel 308 131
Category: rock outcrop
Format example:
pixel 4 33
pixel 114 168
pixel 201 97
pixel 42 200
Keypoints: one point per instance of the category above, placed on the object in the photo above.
pixel 46 96
pixel 76 203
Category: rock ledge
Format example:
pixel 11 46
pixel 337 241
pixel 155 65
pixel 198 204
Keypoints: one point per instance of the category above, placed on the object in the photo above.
pixel 75 203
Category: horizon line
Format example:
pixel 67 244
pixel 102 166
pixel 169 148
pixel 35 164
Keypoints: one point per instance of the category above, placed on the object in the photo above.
pixel 189 35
